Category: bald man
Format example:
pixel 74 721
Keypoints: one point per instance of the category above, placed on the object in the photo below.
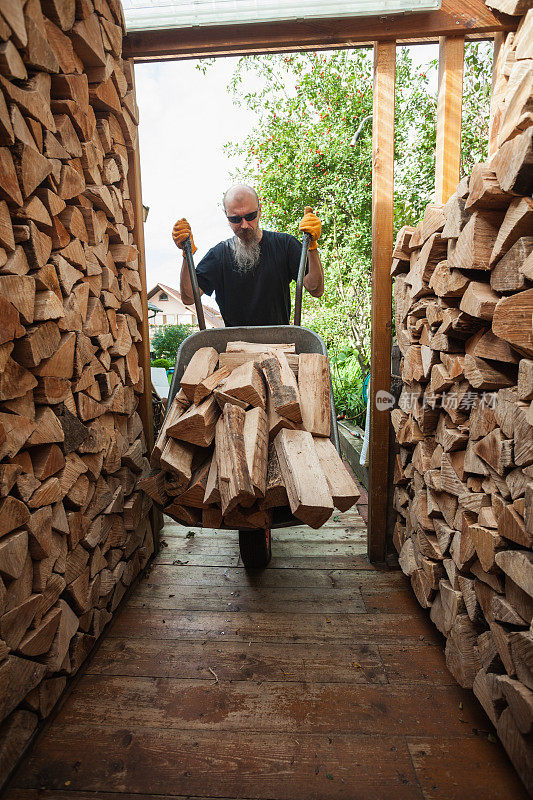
pixel 251 272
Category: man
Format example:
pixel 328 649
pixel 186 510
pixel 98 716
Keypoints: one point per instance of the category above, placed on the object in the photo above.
pixel 251 272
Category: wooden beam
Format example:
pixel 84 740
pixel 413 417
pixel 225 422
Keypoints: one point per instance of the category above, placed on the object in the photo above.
pixel 381 315
pixel 455 17
pixel 449 114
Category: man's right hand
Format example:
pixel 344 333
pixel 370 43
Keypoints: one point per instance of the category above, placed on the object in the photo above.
pixel 181 232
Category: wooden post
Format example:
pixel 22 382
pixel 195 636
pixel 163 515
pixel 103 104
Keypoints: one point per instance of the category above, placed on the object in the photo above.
pixel 145 405
pixel 498 84
pixel 134 175
pixel 381 319
pixel 449 114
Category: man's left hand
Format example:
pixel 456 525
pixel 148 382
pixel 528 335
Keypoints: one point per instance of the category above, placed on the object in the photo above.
pixel 311 224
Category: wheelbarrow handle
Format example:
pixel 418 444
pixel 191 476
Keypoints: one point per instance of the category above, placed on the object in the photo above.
pixel 300 280
pixel 187 253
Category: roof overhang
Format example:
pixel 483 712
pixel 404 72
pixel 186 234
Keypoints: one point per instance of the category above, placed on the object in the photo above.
pixel 153 290
pixel 141 15
pixel 469 18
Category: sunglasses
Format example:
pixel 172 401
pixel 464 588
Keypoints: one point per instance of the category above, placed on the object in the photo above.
pixel 248 217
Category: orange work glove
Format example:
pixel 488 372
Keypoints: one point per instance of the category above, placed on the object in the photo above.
pixel 311 224
pixel 181 232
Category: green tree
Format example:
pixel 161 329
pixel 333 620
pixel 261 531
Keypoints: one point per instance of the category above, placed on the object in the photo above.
pixel 308 106
pixel 477 89
pixel 415 132
pixel 165 343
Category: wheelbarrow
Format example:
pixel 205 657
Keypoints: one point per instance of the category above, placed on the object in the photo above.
pixel 255 545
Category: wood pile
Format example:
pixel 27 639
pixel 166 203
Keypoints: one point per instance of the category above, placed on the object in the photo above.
pixel 249 432
pixel 74 530
pixel 464 425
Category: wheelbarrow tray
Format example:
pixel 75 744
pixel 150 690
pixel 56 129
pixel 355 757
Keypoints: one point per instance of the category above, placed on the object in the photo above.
pixel 304 340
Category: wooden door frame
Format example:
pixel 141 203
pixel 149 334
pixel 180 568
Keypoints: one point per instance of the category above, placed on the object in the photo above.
pixel 466 19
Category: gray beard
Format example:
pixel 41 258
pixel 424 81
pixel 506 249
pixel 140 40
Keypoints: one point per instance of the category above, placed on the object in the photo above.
pixel 246 255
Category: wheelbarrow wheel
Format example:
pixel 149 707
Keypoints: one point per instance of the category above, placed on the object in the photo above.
pixel 255 547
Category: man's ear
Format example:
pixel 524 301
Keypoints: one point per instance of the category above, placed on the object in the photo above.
pixel 260 209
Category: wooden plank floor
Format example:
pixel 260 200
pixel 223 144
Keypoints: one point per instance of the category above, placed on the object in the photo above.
pixel 319 678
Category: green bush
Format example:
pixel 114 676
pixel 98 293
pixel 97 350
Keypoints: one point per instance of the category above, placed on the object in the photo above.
pixel 165 344
pixel 162 362
pixel 347 379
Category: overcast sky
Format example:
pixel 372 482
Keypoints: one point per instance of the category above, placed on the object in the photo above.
pixel 186 117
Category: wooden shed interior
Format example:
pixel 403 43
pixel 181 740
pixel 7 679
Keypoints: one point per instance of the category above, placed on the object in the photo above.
pixel 76 426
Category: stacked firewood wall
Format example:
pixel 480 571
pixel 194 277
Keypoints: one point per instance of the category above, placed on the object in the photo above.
pixel 464 472
pixel 74 531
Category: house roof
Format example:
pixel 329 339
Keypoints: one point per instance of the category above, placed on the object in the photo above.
pixel 210 314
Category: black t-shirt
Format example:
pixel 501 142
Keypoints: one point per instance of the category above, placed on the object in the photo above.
pixel 261 296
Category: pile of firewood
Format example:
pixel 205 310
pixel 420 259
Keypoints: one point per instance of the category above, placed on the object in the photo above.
pixel 74 531
pixel 464 470
pixel 248 432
